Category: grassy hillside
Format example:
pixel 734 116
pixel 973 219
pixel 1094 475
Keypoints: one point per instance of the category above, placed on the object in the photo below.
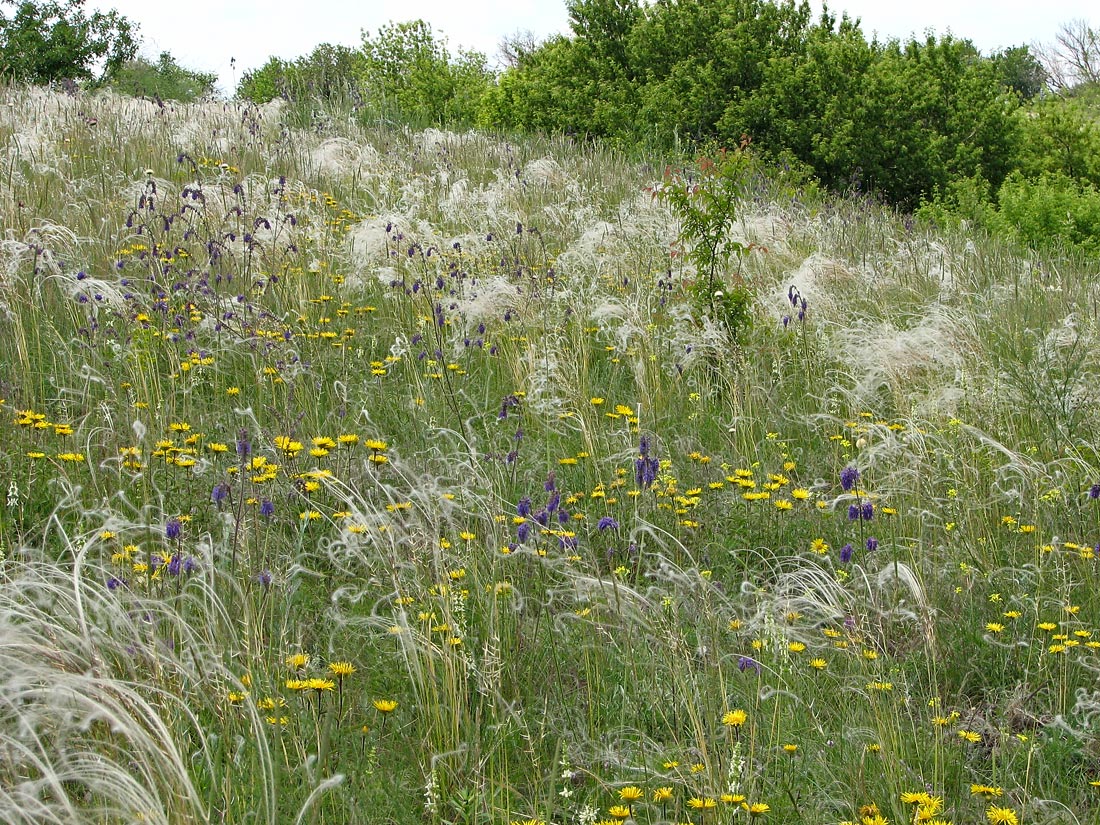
pixel 362 476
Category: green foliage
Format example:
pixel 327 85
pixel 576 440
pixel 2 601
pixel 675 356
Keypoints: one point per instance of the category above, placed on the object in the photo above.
pixel 58 40
pixel 901 118
pixel 404 73
pixel 706 203
pixel 164 80
pixel 1019 70
pixel 329 74
pixel 1062 136
pixel 1052 210
pixel 409 73
pixel 927 113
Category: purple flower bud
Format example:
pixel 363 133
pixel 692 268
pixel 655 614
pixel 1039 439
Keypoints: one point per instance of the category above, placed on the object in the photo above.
pixel 853 512
pixel 523 532
pixel 267 509
pixel 748 663
pixel 846 553
pixel 523 509
pixel 173 529
pixel 872 544
pixel 1094 491
pixel 848 478
pixel 220 493
pixel 867 512
pixel 264 578
pixel 607 523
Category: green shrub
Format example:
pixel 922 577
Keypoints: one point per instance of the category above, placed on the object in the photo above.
pixel 165 80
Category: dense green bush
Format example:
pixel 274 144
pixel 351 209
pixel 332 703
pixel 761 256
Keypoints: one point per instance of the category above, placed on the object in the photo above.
pixel 404 73
pixel 1052 210
pixel 165 80
pixel 901 118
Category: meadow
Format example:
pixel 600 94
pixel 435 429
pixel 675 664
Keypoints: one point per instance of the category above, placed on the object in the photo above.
pixel 368 475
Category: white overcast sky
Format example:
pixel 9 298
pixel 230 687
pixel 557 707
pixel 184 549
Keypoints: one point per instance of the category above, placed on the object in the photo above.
pixel 205 34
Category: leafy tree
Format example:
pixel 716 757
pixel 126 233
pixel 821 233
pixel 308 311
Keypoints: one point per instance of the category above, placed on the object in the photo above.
pixel 58 40
pixel 806 97
pixel 329 73
pixel 164 80
pixel 266 83
pixel 1019 70
pixel 928 112
pixel 1062 137
pixel 705 60
pixel 407 71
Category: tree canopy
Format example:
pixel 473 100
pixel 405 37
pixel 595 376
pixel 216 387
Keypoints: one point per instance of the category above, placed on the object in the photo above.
pixel 47 42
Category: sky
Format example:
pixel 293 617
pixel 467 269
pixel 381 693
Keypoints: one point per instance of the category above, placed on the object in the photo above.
pixel 206 34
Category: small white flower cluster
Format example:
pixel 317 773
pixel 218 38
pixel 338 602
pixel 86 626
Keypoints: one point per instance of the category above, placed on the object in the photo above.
pixel 431 792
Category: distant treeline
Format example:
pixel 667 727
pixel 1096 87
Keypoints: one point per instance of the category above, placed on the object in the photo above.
pixel 906 119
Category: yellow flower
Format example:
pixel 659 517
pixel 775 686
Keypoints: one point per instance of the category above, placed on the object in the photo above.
pixel 988 791
pixel 341 668
pixel 969 736
pixel 631 793
pixel 297 661
pixel 1001 816
pixel 757 808
pixel 818 664
pixel 734 718
pixel 619 811
pixel 385 705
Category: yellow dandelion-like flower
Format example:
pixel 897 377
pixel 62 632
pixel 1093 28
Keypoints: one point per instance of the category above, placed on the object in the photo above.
pixel 1001 816
pixel 662 794
pixel 631 793
pixel 818 664
pixel 987 791
pixel 969 736
pixel 385 705
pixel 297 661
pixel 757 808
pixel 341 668
pixel 619 811
pixel 734 718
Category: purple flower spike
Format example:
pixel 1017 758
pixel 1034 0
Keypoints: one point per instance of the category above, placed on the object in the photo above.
pixel 846 553
pixel 848 478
